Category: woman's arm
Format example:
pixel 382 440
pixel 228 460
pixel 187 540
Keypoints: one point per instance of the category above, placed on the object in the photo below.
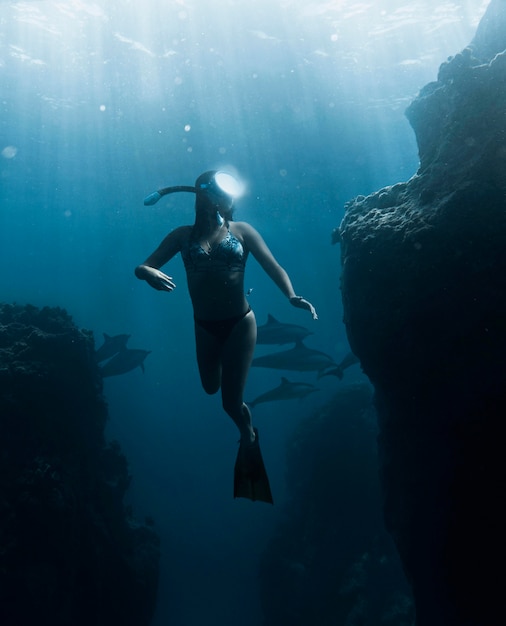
pixel 259 249
pixel 150 269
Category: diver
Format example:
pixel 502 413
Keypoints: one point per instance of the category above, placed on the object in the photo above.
pixel 214 251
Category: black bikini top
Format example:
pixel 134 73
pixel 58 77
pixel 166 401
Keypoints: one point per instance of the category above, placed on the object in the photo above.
pixel 228 255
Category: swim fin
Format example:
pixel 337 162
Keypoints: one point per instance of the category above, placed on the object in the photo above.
pixel 250 477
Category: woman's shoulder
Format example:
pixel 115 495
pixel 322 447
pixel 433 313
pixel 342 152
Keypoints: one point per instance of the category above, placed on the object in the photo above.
pixel 182 233
pixel 176 239
pixel 242 228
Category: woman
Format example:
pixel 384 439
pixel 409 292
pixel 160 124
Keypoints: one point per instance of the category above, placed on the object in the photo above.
pixel 214 251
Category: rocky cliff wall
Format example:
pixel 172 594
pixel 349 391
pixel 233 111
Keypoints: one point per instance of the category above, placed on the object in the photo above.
pixel 424 293
pixel 70 552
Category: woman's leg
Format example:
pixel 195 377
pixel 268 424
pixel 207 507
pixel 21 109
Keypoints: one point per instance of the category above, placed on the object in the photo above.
pixel 236 357
pixel 208 359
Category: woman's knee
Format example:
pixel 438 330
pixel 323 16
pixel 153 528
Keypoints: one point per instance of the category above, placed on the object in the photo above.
pixel 210 383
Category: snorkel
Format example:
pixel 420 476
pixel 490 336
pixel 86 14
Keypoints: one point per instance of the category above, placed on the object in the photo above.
pixel 218 183
pixel 156 195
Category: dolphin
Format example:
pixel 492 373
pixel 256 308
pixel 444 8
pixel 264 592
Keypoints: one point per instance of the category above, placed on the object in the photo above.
pixel 279 333
pixel 111 346
pixel 349 360
pixel 124 361
pixel 299 358
pixel 286 390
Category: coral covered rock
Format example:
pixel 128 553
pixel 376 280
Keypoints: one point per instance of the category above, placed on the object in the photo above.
pixel 424 294
pixel 69 552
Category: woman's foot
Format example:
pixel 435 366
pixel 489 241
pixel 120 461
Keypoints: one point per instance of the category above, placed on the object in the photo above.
pixel 248 437
pixel 247 433
pixel 250 477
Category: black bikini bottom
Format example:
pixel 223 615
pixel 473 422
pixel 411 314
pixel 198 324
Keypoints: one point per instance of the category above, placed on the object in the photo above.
pixel 221 329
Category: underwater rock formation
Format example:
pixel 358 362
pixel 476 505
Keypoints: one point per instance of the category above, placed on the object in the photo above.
pixel 70 554
pixel 330 560
pixel 424 293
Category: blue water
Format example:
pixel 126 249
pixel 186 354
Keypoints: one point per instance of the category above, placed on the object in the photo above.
pixel 103 102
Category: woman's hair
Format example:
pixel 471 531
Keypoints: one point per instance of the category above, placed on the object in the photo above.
pixel 203 204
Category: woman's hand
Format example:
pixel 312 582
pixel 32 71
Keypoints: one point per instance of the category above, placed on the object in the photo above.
pixel 155 278
pixel 301 303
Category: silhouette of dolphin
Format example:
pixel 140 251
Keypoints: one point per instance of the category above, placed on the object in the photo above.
pixel 275 332
pixel 349 360
pixel 124 361
pixel 286 390
pixel 299 358
pixel 110 347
